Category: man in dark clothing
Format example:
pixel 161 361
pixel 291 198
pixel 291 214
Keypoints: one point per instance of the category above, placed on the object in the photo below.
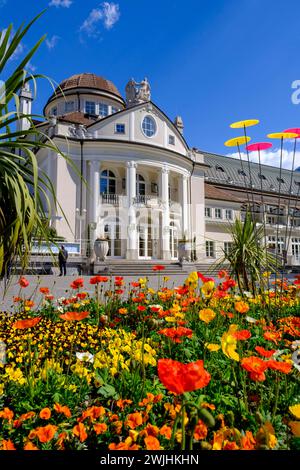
pixel 62 259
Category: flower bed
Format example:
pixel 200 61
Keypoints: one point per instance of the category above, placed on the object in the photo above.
pixel 195 367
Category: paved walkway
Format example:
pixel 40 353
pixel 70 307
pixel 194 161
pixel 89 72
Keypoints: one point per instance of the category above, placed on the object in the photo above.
pixel 60 287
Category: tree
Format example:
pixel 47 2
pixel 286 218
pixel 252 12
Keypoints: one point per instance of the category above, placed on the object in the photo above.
pixel 24 188
pixel 248 256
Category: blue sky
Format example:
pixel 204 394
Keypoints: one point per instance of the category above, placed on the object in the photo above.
pixel 212 62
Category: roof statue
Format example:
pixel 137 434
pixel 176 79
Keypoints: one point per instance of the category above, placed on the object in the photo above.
pixel 137 92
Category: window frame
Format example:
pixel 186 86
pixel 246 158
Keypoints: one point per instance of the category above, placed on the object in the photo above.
pixel 171 139
pixel 88 103
pixel 116 128
pixel 67 104
pixel 151 119
pixel 221 213
pixel 209 210
pixel 210 249
pixel 105 106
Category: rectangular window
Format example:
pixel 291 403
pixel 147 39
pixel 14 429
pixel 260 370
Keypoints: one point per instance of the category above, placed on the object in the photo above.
pixel 272 244
pixel 296 248
pixel 69 106
pixel 54 111
pixel 103 109
pixel 210 249
pixel 208 212
pixel 120 129
pixel 114 110
pixel 271 220
pixel 228 214
pixel 218 213
pixel 171 140
pixel 90 107
pixel 227 247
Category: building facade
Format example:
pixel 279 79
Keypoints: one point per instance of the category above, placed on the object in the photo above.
pixel 131 177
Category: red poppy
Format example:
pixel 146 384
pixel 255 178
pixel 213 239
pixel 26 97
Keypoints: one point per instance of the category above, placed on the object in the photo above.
pixel 119 291
pixel 256 367
pixel 81 295
pixel 141 308
pixel 242 335
pixel 77 283
pixel 17 299
pixel 155 309
pixel 44 290
pixel 98 279
pixel 119 278
pixel 135 284
pixel 222 274
pixel 227 285
pixel 265 352
pixel 27 323
pixel 179 378
pixel 49 297
pixel 182 290
pixel 176 333
pixel 158 267
pixel 74 316
pixel 204 278
pixel 23 282
pixel 284 367
pixel 119 282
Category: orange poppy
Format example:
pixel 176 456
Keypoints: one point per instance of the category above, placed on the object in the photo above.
pixel 242 335
pixel 27 323
pixel 45 413
pixel 8 445
pixel 30 446
pixel 273 336
pixel 179 378
pixel 122 403
pixel 200 431
pixel 241 307
pixel 247 441
pixel 166 431
pixel 176 333
pixel 100 428
pixel 123 446
pixel 284 367
pixel 79 431
pixel 44 290
pixel 7 414
pixel 46 433
pixel 62 409
pixel 152 443
pixel 256 367
pixel 265 352
pixel 94 412
pixel 134 420
pixel 70 316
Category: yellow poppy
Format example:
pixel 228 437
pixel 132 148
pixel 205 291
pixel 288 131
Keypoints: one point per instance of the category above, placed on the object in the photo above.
pixel 207 315
pixel 229 343
pixel 295 410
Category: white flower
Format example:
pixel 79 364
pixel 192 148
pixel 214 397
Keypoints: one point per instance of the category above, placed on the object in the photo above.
pixel 60 309
pixel 85 357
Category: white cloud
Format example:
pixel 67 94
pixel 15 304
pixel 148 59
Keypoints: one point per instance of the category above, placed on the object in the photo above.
pixel 272 157
pixel 108 14
pixel 30 67
pixel 19 49
pixel 111 13
pixel 61 3
pixel 52 42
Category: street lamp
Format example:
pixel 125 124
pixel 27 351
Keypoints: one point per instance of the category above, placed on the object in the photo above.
pixel 80 216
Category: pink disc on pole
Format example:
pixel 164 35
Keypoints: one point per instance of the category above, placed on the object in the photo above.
pixel 259 146
pixel 294 130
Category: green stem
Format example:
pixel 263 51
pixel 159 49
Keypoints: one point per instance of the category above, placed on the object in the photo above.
pixel 182 427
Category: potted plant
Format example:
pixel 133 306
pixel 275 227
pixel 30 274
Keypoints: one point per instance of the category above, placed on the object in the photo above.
pixel 101 248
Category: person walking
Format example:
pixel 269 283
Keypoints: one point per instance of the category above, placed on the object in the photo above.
pixel 62 259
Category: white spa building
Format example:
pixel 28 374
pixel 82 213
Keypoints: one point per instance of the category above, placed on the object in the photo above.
pixel 143 187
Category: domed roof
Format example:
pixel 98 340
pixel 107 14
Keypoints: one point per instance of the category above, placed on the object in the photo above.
pixel 88 80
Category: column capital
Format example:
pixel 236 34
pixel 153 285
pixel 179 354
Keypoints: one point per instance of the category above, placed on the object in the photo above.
pixel 131 164
pixel 165 170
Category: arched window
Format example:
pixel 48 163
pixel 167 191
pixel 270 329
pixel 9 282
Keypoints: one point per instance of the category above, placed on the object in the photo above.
pixel 140 185
pixel 107 182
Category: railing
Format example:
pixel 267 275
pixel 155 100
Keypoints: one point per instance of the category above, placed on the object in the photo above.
pixel 144 199
pixel 113 199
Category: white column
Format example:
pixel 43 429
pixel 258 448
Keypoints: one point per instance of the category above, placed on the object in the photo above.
pixel 132 249
pixel 165 214
pixel 184 206
pixel 95 199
